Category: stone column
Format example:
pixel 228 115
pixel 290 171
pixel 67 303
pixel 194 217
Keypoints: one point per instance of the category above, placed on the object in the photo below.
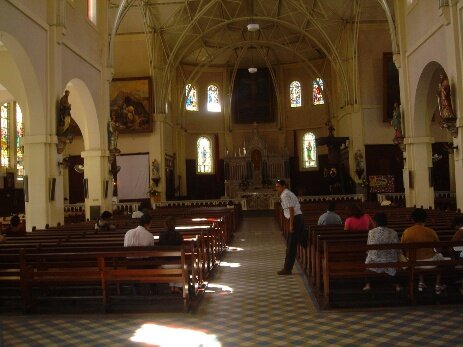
pixel 40 165
pixel 418 190
pixel 96 166
pixel 157 150
pixel 458 163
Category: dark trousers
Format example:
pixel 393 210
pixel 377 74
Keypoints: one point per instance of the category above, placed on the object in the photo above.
pixel 292 242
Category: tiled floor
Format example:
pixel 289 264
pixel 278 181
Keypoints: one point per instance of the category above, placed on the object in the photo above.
pixel 247 304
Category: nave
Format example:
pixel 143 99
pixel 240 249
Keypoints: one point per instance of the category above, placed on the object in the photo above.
pixel 246 304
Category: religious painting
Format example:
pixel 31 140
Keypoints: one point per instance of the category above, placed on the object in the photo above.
pixel 130 104
pixel 391 87
pixel 381 184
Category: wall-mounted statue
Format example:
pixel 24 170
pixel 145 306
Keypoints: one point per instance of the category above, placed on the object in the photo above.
pixel 64 124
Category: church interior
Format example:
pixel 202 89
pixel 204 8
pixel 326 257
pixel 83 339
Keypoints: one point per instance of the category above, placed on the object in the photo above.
pixel 106 104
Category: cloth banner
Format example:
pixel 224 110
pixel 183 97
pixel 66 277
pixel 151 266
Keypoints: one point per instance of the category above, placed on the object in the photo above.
pixel 133 178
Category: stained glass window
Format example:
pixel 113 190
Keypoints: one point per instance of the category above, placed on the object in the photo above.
pixel 309 151
pixel 317 94
pixel 213 102
pixel 191 98
pixel 19 148
pixel 295 94
pixel 91 10
pixel 204 157
pixel 4 138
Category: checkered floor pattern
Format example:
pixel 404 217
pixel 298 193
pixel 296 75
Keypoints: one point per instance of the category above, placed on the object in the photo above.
pixel 246 304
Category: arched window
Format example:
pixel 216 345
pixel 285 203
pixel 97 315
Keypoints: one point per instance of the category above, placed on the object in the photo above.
pixel 309 151
pixel 317 94
pixel 4 138
pixel 19 148
pixel 91 10
pixel 213 102
pixel 295 94
pixel 204 155
pixel 191 98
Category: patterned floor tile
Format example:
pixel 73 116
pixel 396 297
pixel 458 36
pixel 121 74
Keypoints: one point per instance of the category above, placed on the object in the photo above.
pixel 248 305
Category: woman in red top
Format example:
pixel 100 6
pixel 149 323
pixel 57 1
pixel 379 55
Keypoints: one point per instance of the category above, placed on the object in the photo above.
pixel 357 220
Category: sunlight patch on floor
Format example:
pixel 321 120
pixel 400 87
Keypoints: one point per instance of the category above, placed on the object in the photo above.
pixel 164 336
pixel 218 288
pixel 227 264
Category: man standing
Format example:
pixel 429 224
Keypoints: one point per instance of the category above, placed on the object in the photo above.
pixel 140 236
pixel 292 212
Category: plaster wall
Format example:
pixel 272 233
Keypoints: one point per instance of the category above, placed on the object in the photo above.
pixel 203 120
pixel 433 49
pixel 374 40
pixel 308 116
pixel 421 18
pixel 131 56
pixel 78 27
pixel 37 7
pixel 30 36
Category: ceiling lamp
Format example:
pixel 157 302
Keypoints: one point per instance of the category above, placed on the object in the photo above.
pixel 253 27
pixel 252 70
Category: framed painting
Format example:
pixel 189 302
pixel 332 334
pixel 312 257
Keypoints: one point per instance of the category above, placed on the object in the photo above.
pixel 131 104
pixel 391 87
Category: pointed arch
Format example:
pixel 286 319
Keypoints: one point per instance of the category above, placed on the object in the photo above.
pixel 191 94
pixel 317 92
pixel 295 94
pixel 309 151
pixel 204 157
pixel 213 98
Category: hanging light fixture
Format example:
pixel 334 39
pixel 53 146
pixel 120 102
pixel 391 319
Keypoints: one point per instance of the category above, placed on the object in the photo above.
pixel 253 27
pixel 252 68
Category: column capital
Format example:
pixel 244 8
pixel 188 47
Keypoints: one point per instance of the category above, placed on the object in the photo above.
pixel 418 140
pixel 38 139
pixel 95 153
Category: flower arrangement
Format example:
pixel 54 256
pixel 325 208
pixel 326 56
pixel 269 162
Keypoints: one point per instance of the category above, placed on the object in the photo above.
pixel 153 191
pixel 363 182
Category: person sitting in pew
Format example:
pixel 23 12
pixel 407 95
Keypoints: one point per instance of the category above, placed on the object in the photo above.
pixel 171 237
pixel 382 235
pixel 103 223
pixel 140 236
pixel 419 233
pixel 357 220
pixel 16 228
pixel 330 217
pixel 457 224
pixel 142 209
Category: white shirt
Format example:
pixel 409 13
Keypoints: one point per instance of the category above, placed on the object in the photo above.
pixel 138 237
pixel 289 199
pixel 137 214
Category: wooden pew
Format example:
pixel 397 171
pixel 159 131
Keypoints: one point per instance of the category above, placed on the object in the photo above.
pixel 347 260
pixel 101 269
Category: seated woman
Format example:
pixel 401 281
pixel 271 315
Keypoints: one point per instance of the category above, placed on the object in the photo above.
pixel 357 220
pixel 457 224
pixel 16 228
pixel 171 237
pixel 103 223
pixel 382 235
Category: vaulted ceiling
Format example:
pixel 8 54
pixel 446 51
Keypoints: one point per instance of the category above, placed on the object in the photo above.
pixel 208 33
pixel 214 32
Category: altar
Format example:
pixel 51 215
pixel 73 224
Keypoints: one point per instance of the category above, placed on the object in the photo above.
pixel 258 199
pixel 251 173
